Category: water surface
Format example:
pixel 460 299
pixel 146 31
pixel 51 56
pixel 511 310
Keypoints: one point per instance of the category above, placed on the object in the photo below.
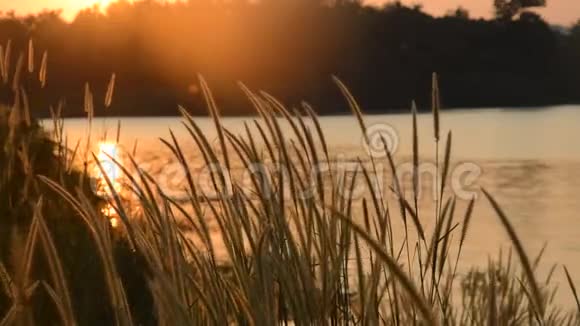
pixel 529 160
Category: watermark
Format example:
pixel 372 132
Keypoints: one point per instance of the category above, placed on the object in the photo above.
pixel 346 177
pixel 342 175
pixel 377 136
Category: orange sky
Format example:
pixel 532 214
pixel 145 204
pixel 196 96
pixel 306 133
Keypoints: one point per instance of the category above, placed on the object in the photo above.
pixel 559 11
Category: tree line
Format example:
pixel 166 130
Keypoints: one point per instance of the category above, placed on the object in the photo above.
pixel 290 49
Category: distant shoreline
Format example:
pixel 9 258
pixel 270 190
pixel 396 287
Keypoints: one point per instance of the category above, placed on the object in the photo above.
pixel 330 114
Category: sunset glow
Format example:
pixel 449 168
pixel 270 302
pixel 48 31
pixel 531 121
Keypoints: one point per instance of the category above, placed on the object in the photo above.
pixel 69 7
pixel 69 13
pixel 558 11
pixel 107 155
pixel 101 3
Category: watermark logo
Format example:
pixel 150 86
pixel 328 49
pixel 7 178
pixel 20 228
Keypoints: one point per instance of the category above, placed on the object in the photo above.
pixel 213 181
pixel 377 136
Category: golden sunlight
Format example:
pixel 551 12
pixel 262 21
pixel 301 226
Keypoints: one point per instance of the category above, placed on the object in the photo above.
pixel 90 3
pixel 102 4
pixel 108 157
pixel 114 222
pixel 561 12
pixel 70 8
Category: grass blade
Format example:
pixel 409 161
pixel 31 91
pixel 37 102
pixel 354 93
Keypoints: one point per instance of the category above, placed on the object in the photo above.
pixel 536 295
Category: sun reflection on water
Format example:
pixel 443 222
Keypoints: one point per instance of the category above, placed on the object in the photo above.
pixel 108 157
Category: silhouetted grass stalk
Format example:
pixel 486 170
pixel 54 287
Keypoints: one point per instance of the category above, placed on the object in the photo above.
pixel 297 246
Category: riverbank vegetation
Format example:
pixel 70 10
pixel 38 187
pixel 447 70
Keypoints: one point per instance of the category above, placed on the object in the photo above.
pixel 299 247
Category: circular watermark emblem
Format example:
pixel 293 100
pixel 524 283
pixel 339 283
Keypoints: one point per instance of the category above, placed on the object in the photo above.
pixel 379 135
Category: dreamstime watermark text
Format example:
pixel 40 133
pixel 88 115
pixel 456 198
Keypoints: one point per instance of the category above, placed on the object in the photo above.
pixel 351 178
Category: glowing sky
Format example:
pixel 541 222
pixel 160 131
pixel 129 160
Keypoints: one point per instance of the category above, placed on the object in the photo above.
pixel 69 7
pixel 558 11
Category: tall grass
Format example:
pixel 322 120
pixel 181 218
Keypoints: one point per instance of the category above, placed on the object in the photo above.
pixel 299 247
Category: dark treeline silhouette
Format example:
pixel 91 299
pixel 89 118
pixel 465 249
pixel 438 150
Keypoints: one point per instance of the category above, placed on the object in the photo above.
pixel 290 48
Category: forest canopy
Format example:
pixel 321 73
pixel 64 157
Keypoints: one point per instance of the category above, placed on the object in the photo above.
pixel 291 48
